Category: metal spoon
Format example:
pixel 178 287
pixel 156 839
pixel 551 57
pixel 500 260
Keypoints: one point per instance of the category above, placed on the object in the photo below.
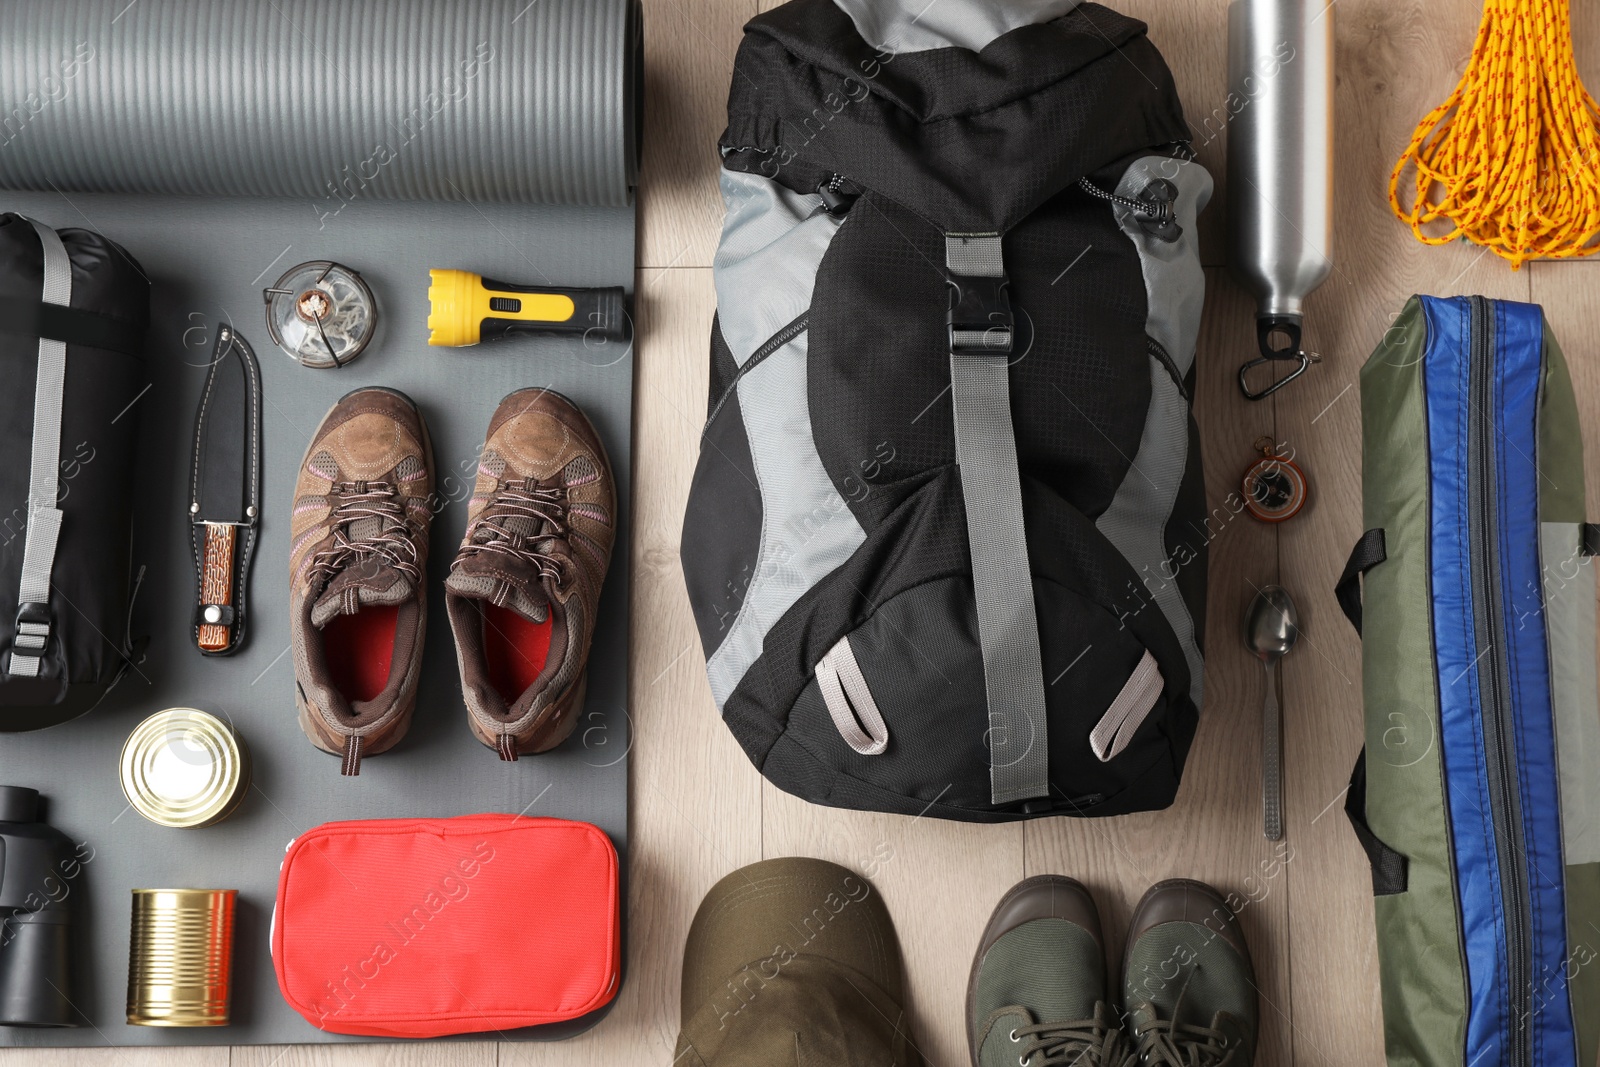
pixel 1270 630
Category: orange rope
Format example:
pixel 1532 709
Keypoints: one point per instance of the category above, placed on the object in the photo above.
pixel 1512 158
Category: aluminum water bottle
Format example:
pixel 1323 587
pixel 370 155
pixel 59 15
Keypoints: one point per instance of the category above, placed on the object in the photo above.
pixel 1280 168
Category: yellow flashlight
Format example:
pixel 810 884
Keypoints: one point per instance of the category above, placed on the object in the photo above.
pixel 465 308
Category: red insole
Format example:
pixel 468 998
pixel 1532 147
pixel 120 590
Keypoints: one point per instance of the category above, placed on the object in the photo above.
pixel 514 649
pixel 359 649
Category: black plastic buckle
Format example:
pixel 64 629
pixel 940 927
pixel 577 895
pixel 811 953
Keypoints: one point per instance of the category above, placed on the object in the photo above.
pixel 980 319
pixel 1159 214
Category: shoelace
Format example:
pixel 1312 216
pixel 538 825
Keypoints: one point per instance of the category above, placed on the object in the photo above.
pixel 1082 1043
pixel 1167 1043
pixel 519 502
pixel 392 546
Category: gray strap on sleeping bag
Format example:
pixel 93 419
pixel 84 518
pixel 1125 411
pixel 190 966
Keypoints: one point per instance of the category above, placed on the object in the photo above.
pixel 44 518
pixel 986 450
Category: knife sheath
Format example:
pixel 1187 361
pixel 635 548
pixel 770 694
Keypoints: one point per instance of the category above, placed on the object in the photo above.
pixel 224 507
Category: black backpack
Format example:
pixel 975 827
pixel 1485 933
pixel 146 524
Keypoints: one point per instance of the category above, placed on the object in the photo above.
pixel 946 541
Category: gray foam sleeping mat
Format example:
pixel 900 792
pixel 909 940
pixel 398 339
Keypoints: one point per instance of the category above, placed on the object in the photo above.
pixel 208 260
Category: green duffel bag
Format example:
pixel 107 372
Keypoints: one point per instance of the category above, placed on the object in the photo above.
pixel 1477 797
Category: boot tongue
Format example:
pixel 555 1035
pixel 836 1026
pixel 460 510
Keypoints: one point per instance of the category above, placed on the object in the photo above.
pixel 503 579
pixel 363 584
pixel 485 578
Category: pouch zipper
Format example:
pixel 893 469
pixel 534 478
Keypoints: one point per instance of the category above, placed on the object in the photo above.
pixel 1494 685
pixel 1160 353
pixel 771 345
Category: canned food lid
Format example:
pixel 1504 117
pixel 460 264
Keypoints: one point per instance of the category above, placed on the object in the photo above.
pixel 183 767
pixel 189 897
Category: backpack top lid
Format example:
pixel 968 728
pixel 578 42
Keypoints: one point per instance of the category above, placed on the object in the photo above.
pixel 971 140
pixel 920 25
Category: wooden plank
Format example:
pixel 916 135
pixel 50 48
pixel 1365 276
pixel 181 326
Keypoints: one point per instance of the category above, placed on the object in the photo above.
pixel 1570 289
pixel 1213 830
pixel 1570 295
pixel 1396 60
pixel 689 47
pixel 160 1056
pixel 443 1054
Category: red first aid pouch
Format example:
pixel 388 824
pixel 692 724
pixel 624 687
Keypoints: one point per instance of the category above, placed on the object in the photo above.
pixel 426 927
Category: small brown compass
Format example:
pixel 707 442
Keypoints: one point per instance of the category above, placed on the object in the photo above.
pixel 1275 488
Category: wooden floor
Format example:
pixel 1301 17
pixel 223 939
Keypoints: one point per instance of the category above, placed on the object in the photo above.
pixel 700 810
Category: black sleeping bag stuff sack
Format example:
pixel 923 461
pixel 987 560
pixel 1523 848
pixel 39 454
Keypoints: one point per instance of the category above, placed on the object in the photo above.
pixel 74 309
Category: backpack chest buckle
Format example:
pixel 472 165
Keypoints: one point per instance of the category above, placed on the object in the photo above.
pixel 980 321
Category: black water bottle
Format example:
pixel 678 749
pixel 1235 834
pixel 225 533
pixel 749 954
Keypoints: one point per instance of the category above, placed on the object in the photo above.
pixel 38 865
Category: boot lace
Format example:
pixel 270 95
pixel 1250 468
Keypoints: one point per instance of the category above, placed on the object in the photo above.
pixel 1082 1043
pixel 524 520
pixel 1165 1043
pixel 393 546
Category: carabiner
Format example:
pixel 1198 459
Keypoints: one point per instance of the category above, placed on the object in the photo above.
pixel 1305 360
pixel 1268 329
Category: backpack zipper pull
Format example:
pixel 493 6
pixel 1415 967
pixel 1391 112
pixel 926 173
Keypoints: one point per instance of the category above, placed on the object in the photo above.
pixel 1155 209
pixel 835 200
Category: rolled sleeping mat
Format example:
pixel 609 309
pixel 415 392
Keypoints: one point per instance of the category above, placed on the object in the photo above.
pixel 478 100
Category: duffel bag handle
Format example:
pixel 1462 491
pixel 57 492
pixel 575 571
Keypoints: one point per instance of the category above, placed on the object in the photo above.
pixel 1369 551
pixel 1390 870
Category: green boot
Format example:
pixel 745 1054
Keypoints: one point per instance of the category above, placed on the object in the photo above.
pixel 1037 995
pixel 1187 984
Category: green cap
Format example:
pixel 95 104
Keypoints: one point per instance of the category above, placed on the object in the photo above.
pixel 793 960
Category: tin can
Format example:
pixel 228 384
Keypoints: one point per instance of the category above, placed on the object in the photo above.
pixel 180 957
pixel 183 767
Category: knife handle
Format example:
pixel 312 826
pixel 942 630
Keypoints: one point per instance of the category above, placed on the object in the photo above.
pixel 216 586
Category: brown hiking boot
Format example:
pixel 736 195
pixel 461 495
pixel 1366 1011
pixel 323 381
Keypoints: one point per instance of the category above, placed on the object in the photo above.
pixel 357 601
pixel 523 589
